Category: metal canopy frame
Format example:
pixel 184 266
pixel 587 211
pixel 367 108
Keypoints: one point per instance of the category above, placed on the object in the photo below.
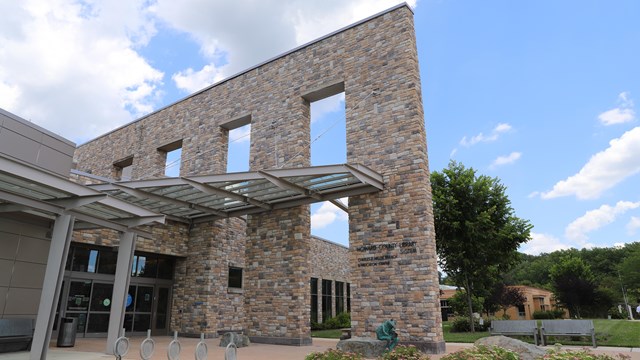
pixel 24 188
pixel 203 198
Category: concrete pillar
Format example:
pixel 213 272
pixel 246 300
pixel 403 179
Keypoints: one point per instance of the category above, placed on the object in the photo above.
pixel 120 288
pixel 58 251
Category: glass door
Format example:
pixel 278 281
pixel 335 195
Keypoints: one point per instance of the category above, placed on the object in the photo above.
pixel 161 311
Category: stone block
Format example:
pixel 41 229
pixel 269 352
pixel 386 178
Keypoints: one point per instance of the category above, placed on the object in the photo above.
pixel 367 347
pixel 527 351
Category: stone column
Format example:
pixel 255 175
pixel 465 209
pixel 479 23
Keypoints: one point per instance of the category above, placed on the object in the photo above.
pixel 391 233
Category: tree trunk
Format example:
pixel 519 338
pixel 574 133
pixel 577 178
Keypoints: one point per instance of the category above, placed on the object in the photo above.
pixel 467 286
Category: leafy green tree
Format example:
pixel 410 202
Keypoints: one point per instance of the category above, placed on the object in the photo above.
pixel 630 274
pixel 573 284
pixel 458 303
pixel 477 233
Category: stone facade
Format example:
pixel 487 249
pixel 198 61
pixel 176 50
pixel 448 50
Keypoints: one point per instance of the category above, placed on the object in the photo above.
pixel 375 63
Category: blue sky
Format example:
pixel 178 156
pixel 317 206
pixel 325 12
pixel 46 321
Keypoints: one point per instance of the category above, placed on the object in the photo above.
pixel 539 94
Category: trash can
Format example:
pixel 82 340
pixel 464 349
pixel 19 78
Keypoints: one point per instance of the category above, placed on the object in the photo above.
pixel 67 332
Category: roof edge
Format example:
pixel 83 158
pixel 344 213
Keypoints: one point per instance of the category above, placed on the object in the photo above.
pixel 357 23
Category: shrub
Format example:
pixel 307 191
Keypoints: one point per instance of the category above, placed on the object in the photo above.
pixel 558 354
pixel 548 314
pixel 483 352
pixel 461 324
pixel 402 352
pixel 333 354
pixel 342 320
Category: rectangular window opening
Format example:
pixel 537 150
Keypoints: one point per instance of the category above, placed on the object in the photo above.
pixel 328 130
pixel 329 221
pixel 339 297
pixel 238 143
pixel 326 300
pixel 314 300
pixel 172 153
pixel 235 277
pixel 122 169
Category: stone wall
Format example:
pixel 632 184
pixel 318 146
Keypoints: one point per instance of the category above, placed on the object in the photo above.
pixel 330 261
pixel 391 233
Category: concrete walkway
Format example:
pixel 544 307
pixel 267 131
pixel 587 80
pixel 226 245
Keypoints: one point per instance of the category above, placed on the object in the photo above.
pixel 93 349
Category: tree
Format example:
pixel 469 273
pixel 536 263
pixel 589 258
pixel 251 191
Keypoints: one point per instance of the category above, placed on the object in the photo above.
pixel 477 233
pixel 504 297
pixel 630 274
pixel 573 284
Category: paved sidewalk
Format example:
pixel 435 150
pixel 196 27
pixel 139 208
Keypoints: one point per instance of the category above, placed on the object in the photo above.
pixel 93 349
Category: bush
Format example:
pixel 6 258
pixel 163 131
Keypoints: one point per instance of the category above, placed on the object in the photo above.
pixel 615 314
pixel 461 324
pixel 558 354
pixel 548 314
pixel 342 320
pixel 402 352
pixel 483 352
pixel 333 354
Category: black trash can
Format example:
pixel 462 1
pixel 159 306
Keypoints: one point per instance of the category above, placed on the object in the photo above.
pixel 67 332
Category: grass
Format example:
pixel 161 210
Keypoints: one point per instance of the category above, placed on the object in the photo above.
pixel 621 333
pixel 327 334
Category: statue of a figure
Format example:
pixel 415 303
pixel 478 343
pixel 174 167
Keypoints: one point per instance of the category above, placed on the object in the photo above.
pixel 387 332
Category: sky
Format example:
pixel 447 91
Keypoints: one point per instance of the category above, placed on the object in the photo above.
pixel 541 95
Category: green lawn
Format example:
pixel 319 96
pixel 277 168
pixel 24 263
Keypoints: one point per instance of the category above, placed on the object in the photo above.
pixel 608 333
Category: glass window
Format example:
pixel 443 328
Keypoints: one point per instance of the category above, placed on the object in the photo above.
pixel 326 300
pixel 339 297
pixel 79 293
pixel 107 262
pixel 235 277
pixel 144 299
pixel 149 267
pixel 165 268
pixel 314 300
pixel 162 308
pixel 84 260
pixel 98 322
pixel 101 297
pixel 131 298
pixel 141 322
pixel 348 297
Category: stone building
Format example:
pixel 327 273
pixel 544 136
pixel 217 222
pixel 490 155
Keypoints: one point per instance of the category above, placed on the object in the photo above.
pixel 235 250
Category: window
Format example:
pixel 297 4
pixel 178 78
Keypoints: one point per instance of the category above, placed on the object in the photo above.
pixel 314 300
pixel 235 277
pixel 238 135
pixel 326 300
pixel 348 297
pixel 172 153
pixel 521 311
pixel 339 297
pixel 123 169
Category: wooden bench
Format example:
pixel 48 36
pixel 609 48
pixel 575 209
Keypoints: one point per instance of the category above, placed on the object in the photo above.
pixel 568 328
pixel 15 334
pixel 515 327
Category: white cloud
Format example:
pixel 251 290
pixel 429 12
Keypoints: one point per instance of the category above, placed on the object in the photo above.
pixel 542 243
pixel 65 62
pixel 604 170
pixel 191 81
pixel 495 134
pixel 622 114
pixel 326 106
pixel 504 160
pixel 328 214
pixel 633 225
pixel 235 35
pixel 593 220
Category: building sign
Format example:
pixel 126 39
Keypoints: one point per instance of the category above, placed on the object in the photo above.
pixel 383 254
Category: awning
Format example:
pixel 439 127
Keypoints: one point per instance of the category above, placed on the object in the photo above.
pixel 24 188
pixel 210 197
